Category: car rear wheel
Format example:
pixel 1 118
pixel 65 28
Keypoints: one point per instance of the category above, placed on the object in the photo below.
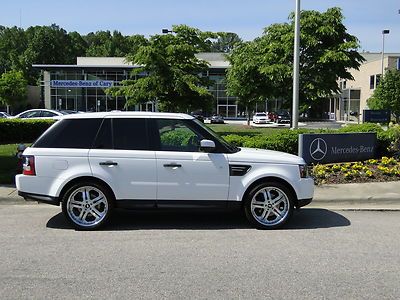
pixel 87 206
pixel 269 205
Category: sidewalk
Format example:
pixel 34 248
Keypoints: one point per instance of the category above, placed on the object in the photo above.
pixel 351 196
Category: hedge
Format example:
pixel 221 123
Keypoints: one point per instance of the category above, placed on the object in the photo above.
pixel 286 140
pixel 22 131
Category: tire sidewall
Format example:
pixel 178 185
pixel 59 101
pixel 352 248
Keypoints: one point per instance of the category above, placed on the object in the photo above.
pixel 105 191
pixel 247 204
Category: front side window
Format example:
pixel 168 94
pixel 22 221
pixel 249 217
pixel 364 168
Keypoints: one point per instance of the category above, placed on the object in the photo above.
pixel 176 135
pixel 31 114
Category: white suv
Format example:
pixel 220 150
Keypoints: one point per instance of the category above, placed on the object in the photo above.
pixel 92 163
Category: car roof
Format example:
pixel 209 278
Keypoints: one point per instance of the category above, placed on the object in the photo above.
pixel 40 109
pixel 132 114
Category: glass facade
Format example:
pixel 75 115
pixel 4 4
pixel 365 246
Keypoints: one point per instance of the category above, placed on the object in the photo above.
pixel 226 106
pixel 95 98
pixel 88 98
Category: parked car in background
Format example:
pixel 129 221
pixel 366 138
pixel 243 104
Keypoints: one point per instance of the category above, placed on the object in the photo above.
pixel 260 118
pixel 4 115
pixel 217 119
pixel 282 117
pixel 40 114
pixel 91 163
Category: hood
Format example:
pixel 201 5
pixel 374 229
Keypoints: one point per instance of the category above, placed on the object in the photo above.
pixel 249 155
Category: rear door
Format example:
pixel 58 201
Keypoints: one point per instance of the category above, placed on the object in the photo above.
pixel 121 157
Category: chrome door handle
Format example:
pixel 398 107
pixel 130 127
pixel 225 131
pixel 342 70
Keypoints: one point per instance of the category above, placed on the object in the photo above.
pixel 173 165
pixel 108 163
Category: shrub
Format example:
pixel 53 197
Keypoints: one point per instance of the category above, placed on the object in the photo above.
pixel 18 130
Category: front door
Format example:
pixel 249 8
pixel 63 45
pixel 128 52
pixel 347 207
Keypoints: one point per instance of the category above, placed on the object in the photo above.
pixel 183 171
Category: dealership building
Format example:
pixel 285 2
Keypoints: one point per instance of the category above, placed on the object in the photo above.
pixel 82 86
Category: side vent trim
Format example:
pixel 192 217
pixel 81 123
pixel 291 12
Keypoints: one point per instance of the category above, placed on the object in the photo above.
pixel 238 170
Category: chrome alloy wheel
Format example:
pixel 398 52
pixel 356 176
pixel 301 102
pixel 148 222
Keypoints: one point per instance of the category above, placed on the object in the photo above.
pixel 270 206
pixel 87 206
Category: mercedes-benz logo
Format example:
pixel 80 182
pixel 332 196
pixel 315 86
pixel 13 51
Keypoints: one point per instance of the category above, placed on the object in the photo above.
pixel 318 149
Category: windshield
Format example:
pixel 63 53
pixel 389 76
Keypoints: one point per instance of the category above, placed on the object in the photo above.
pixel 260 115
pixel 215 135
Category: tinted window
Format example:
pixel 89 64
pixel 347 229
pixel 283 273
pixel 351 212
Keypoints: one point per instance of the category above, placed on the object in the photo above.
pixel 130 134
pixel 104 137
pixel 47 114
pixel 31 114
pixel 77 133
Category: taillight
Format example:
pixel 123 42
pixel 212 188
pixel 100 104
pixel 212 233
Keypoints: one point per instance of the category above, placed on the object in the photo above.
pixel 29 165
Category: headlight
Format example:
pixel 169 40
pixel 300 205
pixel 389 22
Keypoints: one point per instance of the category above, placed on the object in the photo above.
pixel 303 171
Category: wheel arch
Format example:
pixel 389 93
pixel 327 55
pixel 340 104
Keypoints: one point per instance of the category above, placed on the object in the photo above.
pixel 81 179
pixel 270 179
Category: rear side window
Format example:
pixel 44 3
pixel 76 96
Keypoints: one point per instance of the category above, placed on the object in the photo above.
pixel 123 134
pixel 130 134
pixel 71 133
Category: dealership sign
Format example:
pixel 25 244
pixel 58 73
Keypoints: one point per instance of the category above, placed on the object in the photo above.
pixel 81 83
pixel 329 148
pixel 376 116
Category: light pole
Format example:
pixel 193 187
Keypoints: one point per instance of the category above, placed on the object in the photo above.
pixel 165 31
pixel 385 31
pixel 296 63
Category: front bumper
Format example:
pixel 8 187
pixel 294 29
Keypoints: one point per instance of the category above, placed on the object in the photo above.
pixel 40 198
pixel 303 202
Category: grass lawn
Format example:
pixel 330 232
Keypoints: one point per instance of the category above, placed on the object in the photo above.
pixel 225 129
pixel 8 163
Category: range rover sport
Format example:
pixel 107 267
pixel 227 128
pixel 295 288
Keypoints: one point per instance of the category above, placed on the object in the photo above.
pixel 92 163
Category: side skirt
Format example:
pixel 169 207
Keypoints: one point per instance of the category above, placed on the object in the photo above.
pixel 178 204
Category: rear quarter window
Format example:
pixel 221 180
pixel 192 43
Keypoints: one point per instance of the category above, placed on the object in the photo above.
pixel 70 133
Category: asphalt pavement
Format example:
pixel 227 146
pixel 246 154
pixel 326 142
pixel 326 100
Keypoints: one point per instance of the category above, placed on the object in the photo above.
pixel 320 254
pixel 352 196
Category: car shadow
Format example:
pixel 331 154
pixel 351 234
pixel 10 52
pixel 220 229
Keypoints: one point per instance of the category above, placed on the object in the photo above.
pixel 306 218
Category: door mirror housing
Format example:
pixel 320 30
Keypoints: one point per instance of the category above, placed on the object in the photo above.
pixel 207 145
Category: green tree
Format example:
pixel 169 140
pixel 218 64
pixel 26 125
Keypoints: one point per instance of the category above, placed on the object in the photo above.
pixel 170 72
pixel 13 43
pixel 387 94
pixel 78 45
pixel 225 42
pixel 327 52
pixel 13 89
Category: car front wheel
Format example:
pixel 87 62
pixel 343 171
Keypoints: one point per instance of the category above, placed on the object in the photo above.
pixel 87 206
pixel 269 205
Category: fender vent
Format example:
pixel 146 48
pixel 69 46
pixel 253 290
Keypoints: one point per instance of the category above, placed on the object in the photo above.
pixel 238 170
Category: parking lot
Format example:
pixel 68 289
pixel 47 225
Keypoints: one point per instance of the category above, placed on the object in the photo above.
pixel 176 255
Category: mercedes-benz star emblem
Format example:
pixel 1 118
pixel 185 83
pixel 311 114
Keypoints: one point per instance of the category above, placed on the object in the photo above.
pixel 318 149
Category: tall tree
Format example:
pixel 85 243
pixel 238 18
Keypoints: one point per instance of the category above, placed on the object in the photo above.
pixel 170 72
pixel 387 94
pixel 327 52
pixel 13 43
pixel 225 42
pixel 13 89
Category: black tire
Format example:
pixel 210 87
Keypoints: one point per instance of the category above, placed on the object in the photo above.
pixel 96 213
pixel 259 207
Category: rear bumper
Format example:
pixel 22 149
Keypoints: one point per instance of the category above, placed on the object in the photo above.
pixel 40 198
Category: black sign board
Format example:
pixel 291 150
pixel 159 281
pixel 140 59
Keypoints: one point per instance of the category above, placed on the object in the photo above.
pixel 329 148
pixel 376 116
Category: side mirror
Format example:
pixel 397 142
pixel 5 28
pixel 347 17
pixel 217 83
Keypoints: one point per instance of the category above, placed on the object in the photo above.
pixel 207 145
